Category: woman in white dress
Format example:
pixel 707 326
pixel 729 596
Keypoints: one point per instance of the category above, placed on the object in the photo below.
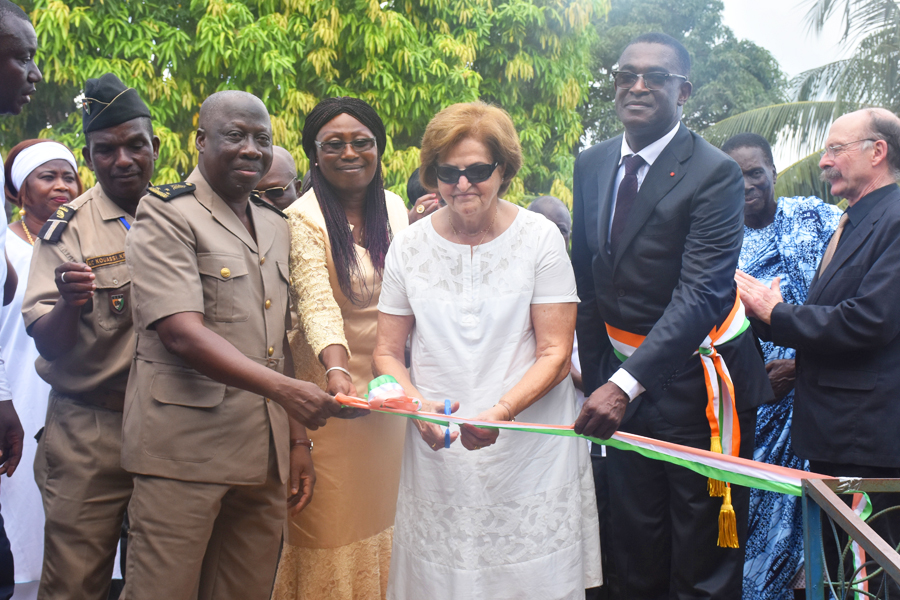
pixel 41 176
pixel 487 292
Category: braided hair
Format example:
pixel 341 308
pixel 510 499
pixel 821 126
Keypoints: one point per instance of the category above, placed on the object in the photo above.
pixel 378 233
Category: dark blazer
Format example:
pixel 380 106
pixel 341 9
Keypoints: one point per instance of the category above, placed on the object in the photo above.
pixel 847 336
pixel 672 277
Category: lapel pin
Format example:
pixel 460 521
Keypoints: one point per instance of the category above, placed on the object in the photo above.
pixel 672 174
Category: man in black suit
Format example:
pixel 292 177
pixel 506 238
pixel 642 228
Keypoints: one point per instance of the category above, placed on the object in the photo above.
pixel 847 335
pixel 655 245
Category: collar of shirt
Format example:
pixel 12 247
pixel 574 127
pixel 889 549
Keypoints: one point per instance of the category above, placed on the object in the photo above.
pixel 108 209
pixel 649 153
pixel 858 212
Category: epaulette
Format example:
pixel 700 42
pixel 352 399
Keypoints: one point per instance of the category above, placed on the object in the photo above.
pixel 257 200
pixel 55 225
pixel 171 190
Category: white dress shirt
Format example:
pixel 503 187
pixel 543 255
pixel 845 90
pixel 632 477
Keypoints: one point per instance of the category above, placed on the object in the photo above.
pixel 623 378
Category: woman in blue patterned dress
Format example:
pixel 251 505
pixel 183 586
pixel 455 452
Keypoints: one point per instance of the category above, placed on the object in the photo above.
pixel 783 238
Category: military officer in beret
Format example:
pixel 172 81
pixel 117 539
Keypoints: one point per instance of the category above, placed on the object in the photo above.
pixel 77 307
pixel 213 430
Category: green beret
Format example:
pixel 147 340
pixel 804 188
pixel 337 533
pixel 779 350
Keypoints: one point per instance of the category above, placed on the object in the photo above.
pixel 107 103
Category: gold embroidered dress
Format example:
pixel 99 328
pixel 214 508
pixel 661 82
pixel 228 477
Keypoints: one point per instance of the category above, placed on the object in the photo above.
pixel 339 547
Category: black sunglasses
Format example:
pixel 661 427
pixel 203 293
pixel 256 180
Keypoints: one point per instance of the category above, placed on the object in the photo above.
pixel 473 173
pixel 652 81
pixel 277 192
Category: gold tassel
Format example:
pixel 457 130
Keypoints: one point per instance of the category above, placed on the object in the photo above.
pixel 727 523
pixel 716 487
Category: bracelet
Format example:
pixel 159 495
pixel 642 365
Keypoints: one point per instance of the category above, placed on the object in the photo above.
pixel 508 409
pixel 302 442
pixel 327 371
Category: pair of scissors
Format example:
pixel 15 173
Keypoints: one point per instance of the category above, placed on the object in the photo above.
pixel 447 431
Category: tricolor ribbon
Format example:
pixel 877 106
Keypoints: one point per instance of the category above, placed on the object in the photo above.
pixel 721 410
pixel 862 506
pixel 732 469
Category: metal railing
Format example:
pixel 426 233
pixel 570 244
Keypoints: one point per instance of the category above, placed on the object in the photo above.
pixel 822 495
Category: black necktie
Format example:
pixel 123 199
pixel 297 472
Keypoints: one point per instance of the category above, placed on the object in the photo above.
pixel 625 199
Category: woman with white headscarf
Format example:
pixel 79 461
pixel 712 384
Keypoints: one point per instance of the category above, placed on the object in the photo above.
pixel 41 176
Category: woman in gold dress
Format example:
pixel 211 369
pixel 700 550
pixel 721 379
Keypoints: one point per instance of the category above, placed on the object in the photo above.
pixel 339 547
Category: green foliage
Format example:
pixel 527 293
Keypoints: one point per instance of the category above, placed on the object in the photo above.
pixel 408 58
pixel 870 77
pixel 729 75
pixel 802 125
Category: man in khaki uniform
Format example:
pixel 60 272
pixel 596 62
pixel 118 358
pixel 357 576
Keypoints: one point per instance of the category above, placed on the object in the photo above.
pixel 77 307
pixel 206 430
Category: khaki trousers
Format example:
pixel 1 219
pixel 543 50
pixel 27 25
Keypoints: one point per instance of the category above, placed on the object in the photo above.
pixel 85 492
pixel 201 540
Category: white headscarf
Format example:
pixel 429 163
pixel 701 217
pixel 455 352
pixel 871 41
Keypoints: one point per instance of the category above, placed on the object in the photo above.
pixel 34 156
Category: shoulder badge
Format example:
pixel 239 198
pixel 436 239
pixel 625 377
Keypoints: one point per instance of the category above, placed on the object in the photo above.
pixel 171 190
pixel 257 200
pixel 55 225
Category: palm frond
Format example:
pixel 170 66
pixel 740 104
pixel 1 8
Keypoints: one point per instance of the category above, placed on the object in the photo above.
pixel 799 126
pixel 802 179
pixel 859 18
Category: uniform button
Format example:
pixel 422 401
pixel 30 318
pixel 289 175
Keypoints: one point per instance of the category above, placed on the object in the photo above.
pixel 226 272
pixel 267 400
pixel 262 260
pixel 115 282
pixel 620 292
pixel 271 350
pixel 268 304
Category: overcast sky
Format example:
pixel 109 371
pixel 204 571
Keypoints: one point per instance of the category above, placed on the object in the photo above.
pixel 779 27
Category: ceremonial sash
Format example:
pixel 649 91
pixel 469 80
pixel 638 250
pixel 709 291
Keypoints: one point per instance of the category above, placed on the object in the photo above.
pixel 721 410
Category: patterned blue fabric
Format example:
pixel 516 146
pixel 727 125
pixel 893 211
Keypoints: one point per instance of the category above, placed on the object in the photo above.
pixel 791 248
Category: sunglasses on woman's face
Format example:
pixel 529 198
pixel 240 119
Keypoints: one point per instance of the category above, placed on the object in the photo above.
pixel 473 173
pixel 276 193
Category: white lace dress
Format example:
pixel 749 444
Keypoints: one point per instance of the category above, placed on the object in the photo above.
pixel 518 519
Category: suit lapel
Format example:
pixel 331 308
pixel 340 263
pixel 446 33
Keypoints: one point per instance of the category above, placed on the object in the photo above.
pixel 666 172
pixel 846 250
pixel 606 178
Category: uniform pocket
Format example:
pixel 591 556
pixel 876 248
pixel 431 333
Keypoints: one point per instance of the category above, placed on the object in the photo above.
pixel 225 282
pixel 112 299
pixel 186 417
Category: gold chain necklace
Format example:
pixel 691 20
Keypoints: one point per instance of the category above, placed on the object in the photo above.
pixel 484 232
pixel 25 228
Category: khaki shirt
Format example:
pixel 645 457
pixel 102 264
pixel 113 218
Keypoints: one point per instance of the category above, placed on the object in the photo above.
pixel 102 355
pixel 192 254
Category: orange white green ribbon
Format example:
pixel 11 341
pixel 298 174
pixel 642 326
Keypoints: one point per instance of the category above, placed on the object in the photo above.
pixel 862 506
pixel 721 410
pixel 736 470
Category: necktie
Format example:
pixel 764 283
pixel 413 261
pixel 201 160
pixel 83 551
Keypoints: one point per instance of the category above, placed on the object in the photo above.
pixel 832 245
pixel 628 190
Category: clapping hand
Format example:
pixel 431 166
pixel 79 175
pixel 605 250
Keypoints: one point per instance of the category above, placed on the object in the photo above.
pixel 758 299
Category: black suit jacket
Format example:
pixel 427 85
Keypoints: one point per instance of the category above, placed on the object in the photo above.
pixel 847 336
pixel 672 277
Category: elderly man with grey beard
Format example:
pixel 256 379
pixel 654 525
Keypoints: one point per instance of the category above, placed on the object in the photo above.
pixel 847 334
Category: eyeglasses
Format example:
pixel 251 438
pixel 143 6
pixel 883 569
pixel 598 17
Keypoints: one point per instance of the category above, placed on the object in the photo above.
pixel 839 149
pixel 276 193
pixel 473 173
pixel 652 81
pixel 337 146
